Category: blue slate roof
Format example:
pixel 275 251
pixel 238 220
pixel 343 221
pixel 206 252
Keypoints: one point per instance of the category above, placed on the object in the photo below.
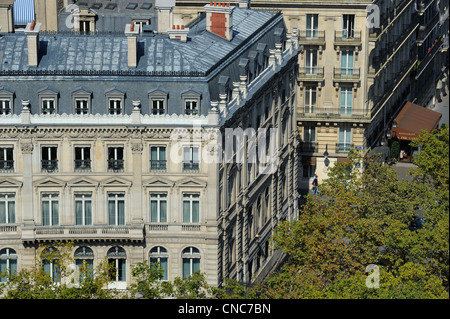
pixel 61 53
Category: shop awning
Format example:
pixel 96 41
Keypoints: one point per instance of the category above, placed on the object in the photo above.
pixel 23 12
pixel 412 119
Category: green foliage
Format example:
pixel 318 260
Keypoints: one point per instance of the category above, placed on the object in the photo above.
pixel 395 149
pixel 36 283
pixel 192 287
pixel 148 282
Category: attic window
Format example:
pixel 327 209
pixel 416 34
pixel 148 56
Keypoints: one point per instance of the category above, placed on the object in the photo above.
pixel 132 6
pixel 110 6
pixel 97 6
pixel 146 6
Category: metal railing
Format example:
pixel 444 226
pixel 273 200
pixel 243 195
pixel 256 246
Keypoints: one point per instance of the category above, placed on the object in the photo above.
pixel 82 164
pixel 115 164
pixel 191 166
pixel 49 165
pixel 158 164
pixel 346 73
pixel 6 165
pixel 347 36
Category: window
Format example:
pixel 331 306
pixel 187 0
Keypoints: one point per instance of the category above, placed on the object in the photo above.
pixel 115 106
pixel 50 209
pixel 5 106
pixel 48 106
pixel 81 106
pixel 85 26
pixel 115 158
pixel 310 99
pixel 84 262
pixel 6 158
pixel 7 208
pixel 191 261
pixel 347 62
pixel 346 100
pixel 309 166
pixel 191 208
pixel 8 262
pixel 117 258
pixel 345 138
pixel 158 208
pixel 49 158
pixel 82 158
pixel 311 62
pixel 83 209
pixel 191 107
pixel 312 25
pixel 348 26
pixel 158 107
pixel 158 158
pixel 159 255
pixel 190 158
pixel 116 209
pixel 50 263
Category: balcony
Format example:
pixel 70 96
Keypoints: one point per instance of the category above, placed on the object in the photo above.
pixel 325 113
pixel 311 37
pixel 6 166
pixel 346 74
pixel 314 73
pixel 49 165
pixel 427 27
pixel 431 52
pixel 343 147
pixel 309 147
pixel 82 233
pixel 158 165
pixel 115 165
pixel 191 166
pixel 82 165
pixel 347 37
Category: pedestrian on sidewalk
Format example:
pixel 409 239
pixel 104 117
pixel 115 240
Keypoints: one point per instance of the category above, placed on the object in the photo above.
pixel 315 184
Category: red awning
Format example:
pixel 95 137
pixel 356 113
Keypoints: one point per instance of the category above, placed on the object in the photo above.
pixel 412 119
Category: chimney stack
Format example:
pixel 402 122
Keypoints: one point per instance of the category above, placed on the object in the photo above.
pixel 218 19
pixel 131 31
pixel 178 32
pixel 165 14
pixel 32 32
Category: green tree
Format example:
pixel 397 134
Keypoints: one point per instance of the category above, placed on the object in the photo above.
pixel 37 282
pixel 148 282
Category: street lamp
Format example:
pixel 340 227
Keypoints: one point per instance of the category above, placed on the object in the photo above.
pixel 325 155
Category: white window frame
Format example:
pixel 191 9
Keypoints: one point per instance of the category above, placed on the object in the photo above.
pixel 6 199
pixel 116 198
pixel 158 198
pixel 191 198
pixel 50 198
pixel 190 255
pixel 83 198
pixel 310 107
pixel 5 106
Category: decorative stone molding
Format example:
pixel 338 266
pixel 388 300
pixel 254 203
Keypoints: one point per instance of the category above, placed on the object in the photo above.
pixel 26 148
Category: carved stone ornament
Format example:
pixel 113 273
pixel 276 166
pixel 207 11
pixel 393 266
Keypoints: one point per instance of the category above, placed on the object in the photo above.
pixel 136 147
pixel 26 147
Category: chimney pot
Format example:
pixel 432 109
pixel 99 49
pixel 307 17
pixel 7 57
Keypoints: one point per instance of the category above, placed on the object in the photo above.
pixel 182 27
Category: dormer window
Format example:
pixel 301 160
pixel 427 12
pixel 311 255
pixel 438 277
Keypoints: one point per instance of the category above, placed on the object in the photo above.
pixel 158 102
pixel 48 99
pixel 191 102
pixel 48 106
pixel 115 100
pixel 6 101
pixel 84 20
pixel 82 100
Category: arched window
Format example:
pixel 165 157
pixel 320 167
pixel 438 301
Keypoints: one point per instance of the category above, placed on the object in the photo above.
pixel 8 262
pixel 117 258
pixel 84 261
pixel 50 263
pixel 159 255
pixel 191 261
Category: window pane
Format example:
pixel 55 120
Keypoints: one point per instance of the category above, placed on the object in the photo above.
pixel 186 211
pixel 154 211
pixel 2 212
pixel 186 267
pixel 111 213
pixel 121 212
pixel 55 213
pixel 45 213
pixel 163 211
pixel 88 212
pixel 78 213
pixel 195 212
